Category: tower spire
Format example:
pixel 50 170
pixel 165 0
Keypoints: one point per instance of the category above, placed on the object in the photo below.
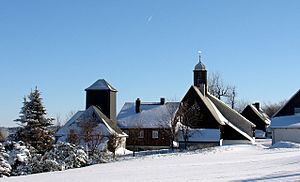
pixel 200 76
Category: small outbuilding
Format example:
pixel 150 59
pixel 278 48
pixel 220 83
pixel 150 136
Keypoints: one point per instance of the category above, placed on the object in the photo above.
pixel 255 114
pixel 285 124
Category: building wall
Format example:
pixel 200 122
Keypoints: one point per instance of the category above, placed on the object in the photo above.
pixel 286 134
pixel 163 139
pixel 234 142
pixel 228 133
pixel 113 106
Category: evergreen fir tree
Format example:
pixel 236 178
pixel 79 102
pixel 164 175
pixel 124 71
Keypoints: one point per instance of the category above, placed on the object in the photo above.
pixel 34 125
pixel 5 168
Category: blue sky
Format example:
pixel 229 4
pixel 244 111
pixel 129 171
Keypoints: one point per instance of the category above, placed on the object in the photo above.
pixel 145 49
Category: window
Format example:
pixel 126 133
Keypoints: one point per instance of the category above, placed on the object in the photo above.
pixel 154 134
pixel 297 110
pixel 141 134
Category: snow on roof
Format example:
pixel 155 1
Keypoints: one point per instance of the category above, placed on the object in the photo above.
pixel 225 115
pixel 110 124
pixel 261 114
pixel 211 107
pixel 223 119
pixel 101 84
pixel 227 112
pixel 152 115
pixel 201 135
pixel 105 124
pixel 65 129
pixel 291 121
pixel 233 119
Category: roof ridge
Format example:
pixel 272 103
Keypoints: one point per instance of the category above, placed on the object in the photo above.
pixel 107 121
pixel 215 115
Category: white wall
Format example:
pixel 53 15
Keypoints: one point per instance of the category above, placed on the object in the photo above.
pixel 235 142
pixel 286 134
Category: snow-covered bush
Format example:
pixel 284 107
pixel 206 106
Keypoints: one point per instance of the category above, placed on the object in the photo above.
pixel 100 157
pixel 22 160
pixel 63 156
pixel 19 158
pixel 5 168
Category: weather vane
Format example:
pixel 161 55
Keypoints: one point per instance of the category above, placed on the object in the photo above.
pixel 199 52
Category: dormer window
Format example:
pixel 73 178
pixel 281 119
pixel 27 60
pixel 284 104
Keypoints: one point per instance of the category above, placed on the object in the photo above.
pixel 297 110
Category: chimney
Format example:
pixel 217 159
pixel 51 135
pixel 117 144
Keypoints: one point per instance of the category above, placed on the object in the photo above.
pixel 138 105
pixel 256 104
pixel 162 101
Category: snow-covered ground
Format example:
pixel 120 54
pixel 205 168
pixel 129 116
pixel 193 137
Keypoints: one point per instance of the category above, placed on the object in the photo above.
pixel 227 163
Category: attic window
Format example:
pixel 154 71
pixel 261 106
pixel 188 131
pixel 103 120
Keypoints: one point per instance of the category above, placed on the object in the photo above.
pixel 297 110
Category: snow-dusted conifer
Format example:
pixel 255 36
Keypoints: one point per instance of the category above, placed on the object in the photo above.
pixel 5 168
pixel 19 158
pixel 64 156
pixel 34 130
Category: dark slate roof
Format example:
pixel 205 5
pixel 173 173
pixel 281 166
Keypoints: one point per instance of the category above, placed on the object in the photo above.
pixel 235 119
pixel 259 112
pixel 152 115
pixel 287 103
pixel 101 84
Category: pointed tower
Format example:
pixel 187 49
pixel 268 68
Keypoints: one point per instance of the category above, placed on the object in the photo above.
pixel 103 95
pixel 200 76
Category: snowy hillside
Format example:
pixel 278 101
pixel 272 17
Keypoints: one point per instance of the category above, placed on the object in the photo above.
pixel 238 162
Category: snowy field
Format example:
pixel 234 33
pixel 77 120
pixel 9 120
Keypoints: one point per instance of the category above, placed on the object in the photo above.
pixel 227 163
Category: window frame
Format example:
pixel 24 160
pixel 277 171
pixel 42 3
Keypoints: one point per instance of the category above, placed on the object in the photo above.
pixel 155 134
pixel 141 134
